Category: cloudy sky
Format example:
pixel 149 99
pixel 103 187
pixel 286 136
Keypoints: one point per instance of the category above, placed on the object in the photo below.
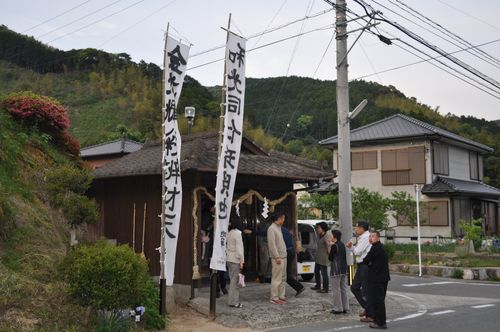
pixel 136 27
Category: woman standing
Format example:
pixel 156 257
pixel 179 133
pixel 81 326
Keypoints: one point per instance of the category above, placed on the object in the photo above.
pixel 235 258
pixel 338 272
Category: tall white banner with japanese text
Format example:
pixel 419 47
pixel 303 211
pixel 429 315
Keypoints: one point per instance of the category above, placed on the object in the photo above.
pixel 176 55
pixel 231 145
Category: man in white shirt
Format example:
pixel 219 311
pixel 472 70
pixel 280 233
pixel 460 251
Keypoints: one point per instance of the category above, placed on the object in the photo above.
pixel 359 284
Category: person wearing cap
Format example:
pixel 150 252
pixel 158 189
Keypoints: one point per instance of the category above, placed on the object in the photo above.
pixel 321 260
pixel 360 281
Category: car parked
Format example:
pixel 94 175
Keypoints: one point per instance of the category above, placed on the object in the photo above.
pixel 308 237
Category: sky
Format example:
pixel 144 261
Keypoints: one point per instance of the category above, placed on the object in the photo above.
pixel 137 27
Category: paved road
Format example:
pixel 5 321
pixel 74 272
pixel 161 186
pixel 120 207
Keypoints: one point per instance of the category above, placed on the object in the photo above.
pixel 440 305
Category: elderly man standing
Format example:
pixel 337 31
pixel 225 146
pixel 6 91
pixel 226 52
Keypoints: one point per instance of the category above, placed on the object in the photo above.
pixel 359 284
pixel 277 252
pixel 378 277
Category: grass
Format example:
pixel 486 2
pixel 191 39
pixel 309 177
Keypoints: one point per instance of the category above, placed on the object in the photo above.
pixel 33 237
pixel 413 247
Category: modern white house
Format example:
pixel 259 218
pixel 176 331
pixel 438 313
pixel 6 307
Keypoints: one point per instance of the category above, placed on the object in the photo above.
pixel 398 152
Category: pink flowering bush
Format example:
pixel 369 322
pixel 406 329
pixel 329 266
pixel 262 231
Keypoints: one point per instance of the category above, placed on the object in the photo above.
pixel 44 113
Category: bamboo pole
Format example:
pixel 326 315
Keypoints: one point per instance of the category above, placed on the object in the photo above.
pixel 143 230
pixel 133 230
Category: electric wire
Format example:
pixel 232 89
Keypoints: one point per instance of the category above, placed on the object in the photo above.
pixel 469 15
pixel 279 27
pixel 78 19
pixel 57 16
pixel 313 76
pixel 417 62
pixel 292 56
pixel 436 49
pixel 480 54
pixel 482 84
pixel 448 66
pixel 156 11
pixel 97 21
pixel 270 22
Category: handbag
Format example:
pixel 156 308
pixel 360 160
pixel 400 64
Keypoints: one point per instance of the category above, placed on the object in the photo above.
pixel 241 280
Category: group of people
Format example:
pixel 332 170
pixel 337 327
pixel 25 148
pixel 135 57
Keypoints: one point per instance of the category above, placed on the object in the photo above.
pixel 372 275
pixel 369 285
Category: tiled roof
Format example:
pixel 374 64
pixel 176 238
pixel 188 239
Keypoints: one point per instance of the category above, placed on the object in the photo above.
pixel 120 146
pixel 401 126
pixel 199 152
pixel 442 185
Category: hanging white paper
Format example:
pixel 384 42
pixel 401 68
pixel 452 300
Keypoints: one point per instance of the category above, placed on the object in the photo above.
pixel 231 145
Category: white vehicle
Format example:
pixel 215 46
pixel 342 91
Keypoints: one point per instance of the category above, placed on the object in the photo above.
pixel 308 237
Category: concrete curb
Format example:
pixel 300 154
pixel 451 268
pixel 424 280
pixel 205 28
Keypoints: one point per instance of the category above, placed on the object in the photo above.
pixel 469 273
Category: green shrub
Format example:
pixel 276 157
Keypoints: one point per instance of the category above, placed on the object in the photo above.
pixel 108 277
pixel 67 185
pixel 472 231
pixel 390 249
pixel 79 209
pixel 458 274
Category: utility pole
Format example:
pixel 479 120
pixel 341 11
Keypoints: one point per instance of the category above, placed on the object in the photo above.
pixel 344 139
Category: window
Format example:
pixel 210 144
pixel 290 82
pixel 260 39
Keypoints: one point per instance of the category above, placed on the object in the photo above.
pixel 431 214
pixel 363 160
pixel 473 165
pixel 403 166
pixel 440 158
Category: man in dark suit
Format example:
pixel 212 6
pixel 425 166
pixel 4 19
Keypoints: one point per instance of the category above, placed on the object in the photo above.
pixel 378 278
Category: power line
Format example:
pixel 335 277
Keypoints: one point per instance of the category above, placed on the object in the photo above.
pixel 436 49
pixel 79 19
pixel 271 114
pixel 259 34
pixel 417 62
pixel 303 93
pixel 469 15
pixel 97 21
pixel 57 16
pixel 421 17
pixel 156 11
pixel 326 27
pixel 468 82
pixel 270 22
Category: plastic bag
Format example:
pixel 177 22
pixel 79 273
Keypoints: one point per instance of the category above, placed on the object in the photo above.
pixel 241 280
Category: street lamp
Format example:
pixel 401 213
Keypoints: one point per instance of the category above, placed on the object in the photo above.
pixel 189 113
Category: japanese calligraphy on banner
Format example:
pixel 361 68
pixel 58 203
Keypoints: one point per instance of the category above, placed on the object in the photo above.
pixel 231 145
pixel 176 55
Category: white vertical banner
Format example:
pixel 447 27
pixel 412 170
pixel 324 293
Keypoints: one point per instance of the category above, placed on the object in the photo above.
pixel 231 145
pixel 176 55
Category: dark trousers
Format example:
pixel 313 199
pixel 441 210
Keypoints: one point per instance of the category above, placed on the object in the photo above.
pixel 376 299
pixel 321 271
pixel 221 281
pixel 359 287
pixel 290 279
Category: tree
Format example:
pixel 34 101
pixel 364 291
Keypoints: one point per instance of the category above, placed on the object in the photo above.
pixel 370 206
pixel 328 204
pixel 404 208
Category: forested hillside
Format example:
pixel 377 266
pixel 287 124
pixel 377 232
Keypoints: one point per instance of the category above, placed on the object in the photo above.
pixel 108 94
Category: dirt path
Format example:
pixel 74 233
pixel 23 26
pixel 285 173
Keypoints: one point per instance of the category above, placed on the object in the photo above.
pixel 185 319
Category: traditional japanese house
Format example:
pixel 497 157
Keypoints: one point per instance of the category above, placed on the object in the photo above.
pixel 100 154
pixel 128 191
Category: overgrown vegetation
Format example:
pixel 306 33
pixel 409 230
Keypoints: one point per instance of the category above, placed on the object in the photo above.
pixel 111 278
pixel 41 197
pixel 105 91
